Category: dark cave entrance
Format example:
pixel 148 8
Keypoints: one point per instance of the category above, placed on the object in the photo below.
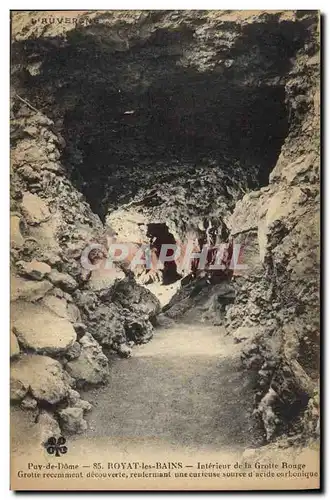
pixel 140 106
pixel 191 121
pixel 159 235
pixel 141 103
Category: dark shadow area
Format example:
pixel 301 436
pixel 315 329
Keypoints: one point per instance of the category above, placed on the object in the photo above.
pixel 189 122
pixel 120 104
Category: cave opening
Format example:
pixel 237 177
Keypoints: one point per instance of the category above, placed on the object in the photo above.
pixel 159 235
pixel 148 103
pixel 157 126
pixel 190 121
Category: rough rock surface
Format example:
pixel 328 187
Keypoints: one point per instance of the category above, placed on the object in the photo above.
pixel 72 421
pixel 29 403
pixel 14 346
pixel 75 401
pixel 34 209
pixel 30 291
pixel 62 280
pixel 34 269
pixel 47 426
pixel 38 329
pixel 91 366
pixel 133 296
pixel 119 313
pixel 57 305
pixel 16 237
pixel 42 376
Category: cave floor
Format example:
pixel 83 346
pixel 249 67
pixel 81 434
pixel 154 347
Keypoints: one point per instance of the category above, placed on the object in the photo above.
pixel 185 389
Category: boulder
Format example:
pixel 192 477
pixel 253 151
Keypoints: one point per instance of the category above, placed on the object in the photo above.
pixel 73 313
pixel 34 270
pixel 124 351
pixel 28 151
pixel 107 324
pixel 63 280
pixel 37 328
pixel 163 321
pixel 46 236
pixel 27 289
pixel 73 397
pixel 42 376
pixel 75 401
pixel 34 209
pixel 245 333
pixel 91 367
pixel 29 174
pixel 58 305
pixel 18 387
pixel 47 426
pixel 139 330
pixel 103 278
pixel 72 420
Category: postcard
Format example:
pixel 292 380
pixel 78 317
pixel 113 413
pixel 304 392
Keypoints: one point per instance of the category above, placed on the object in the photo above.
pixel 165 250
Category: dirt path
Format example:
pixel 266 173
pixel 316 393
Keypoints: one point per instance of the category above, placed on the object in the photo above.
pixel 185 388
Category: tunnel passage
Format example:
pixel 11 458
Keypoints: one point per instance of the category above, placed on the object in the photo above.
pixel 134 106
pixel 190 122
pixel 159 235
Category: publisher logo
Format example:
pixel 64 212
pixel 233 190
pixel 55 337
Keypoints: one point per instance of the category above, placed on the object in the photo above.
pixel 56 446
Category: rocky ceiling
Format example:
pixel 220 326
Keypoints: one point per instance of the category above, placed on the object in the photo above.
pixel 142 104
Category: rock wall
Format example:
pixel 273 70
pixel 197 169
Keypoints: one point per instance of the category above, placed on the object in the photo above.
pixel 276 311
pixel 187 105
pixel 61 313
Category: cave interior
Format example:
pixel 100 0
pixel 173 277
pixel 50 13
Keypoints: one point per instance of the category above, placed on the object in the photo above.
pixel 129 114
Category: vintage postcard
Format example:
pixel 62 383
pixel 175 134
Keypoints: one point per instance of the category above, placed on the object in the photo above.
pixel 165 240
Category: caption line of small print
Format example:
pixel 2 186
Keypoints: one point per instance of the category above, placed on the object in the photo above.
pixel 89 466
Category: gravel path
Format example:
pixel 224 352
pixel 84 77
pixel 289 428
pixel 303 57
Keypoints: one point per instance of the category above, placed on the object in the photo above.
pixel 185 388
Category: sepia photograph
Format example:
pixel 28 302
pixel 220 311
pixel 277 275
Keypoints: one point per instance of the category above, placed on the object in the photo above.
pixel 165 250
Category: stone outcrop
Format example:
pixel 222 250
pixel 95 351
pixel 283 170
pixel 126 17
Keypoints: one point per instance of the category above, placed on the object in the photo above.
pixel 16 237
pixel 47 426
pixel 30 291
pixel 34 209
pixel 280 288
pixel 51 225
pixel 34 269
pixel 72 421
pixel 91 365
pixel 120 313
pixel 40 330
pixel 42 376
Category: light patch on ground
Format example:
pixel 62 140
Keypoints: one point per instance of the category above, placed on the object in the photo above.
pixel 164 293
